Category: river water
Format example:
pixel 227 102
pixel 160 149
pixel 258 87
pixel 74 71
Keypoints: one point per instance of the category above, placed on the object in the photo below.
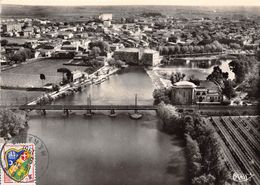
pixel 110 151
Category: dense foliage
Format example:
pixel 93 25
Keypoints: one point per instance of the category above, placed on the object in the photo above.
pixel 241 66
pixel 191 49
pixel 217 75
pixel 11 123
pixel 103 46
pixel 115 63
pixel 162 95
pixel 22 54
pixel 171 120
pixel 220 78
pixel 205 164
pixel 204 158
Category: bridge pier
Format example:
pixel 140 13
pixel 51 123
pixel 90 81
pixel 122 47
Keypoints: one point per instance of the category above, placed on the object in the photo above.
pixel 66 112
pixel 44 112
pixel 112 113
pixel 89 113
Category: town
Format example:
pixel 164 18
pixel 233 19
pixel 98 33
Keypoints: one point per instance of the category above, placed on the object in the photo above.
pixel 199 76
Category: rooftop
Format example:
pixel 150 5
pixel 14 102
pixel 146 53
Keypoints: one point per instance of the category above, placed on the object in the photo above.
pixel 184 84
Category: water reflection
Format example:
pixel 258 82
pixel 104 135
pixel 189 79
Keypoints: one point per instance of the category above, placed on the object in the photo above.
pixel 104 150
pixel 110 151
pixel 199 70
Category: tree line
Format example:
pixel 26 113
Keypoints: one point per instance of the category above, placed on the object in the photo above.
pixel 191 49
pixel 205 164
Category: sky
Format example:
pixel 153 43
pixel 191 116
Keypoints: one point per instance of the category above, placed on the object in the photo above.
pixel 136 2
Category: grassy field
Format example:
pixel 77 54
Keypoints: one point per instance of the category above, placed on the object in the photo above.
pixel 27 75
pixel 14 97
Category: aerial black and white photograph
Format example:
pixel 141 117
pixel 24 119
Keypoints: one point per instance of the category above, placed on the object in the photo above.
pixel 129 92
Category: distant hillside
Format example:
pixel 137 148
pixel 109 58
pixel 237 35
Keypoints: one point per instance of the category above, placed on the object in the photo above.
pixel 82 12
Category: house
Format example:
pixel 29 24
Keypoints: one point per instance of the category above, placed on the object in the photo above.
pixel 12 27
pixel 65 35
pixel 28 32
pixel 107 23
pixel 105 17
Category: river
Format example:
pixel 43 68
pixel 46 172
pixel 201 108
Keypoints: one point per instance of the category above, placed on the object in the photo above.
pixel 199 72
pixel 110 151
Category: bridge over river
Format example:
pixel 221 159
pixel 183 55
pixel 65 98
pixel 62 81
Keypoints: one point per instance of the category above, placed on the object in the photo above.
pixel 204 109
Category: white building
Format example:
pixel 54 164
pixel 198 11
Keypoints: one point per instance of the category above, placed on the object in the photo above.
pixel 105 17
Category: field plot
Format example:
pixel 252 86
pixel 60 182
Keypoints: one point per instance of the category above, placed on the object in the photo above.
pixel 27 75
pixel 240 143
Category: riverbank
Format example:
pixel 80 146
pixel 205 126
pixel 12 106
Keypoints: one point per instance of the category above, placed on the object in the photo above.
pixel 28 61
pixel 96 78
pixel 156 80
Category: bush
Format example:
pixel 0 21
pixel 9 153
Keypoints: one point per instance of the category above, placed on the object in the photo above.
pixel 161 95
pixel 11 123
pixel 170 117
pixel 226 102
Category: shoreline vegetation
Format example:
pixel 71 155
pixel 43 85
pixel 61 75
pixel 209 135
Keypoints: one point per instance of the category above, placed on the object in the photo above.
pixel 12 122
pixel 205 161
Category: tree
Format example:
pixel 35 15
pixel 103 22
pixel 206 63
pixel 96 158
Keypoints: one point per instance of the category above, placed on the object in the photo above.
pixel 191 48
pixel 194 80
pixel 161 95
pixel 176 77
pixel 4 42
pixel 111 61
pixel 217 75
pixel 177 49
pixel 170 117
pixel 228 89
pixel 184 49
pixel 194 156
pixel 171 50
pixel 11 123
pixel 95 51
pixel 241 66
pixel 165 50
pixel 234 46
pixel 196 49
pixel 204 180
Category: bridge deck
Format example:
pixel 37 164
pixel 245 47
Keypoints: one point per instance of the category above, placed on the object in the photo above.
pixel 88 107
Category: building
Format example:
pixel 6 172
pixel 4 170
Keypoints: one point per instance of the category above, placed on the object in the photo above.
pixel 65 35
pixel 183 93
pixel 138 56
pixel 28 32
pixel 208 92
pixel 12 27
pixel 128 55
pixel 107 23
pixel 187 93
pixel 150 57
pixel 105 17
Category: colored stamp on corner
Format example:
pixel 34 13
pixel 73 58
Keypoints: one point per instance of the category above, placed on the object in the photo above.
pixel 18 164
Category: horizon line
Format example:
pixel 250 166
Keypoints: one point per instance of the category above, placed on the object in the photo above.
pixel 205 5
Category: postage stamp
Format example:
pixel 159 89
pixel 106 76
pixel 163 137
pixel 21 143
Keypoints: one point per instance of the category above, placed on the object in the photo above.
pixel 18 164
